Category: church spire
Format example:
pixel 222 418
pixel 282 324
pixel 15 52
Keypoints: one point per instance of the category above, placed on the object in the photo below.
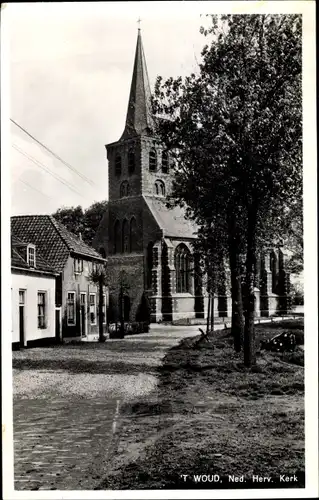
pixel 139 118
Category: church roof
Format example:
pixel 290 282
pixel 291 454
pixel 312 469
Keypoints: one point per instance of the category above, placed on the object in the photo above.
pixel 172 221
pixel 139 119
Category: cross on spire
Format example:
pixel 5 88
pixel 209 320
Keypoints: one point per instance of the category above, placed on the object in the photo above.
pixel 139 23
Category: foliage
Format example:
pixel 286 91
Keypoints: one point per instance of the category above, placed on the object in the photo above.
pixel 99 275
pixel 92 218
pixel 71 218
pixel 143 313
pixel 297 294
pixel 234 130
pixel 85 222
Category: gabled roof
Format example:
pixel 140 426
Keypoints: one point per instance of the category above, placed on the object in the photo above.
pixel 139 119
pixel 19 258
pixel 171 221
pixel 52 239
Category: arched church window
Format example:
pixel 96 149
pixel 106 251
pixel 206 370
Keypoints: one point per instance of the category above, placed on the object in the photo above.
pixel 159 188
pixel 165 162
pixel 149 265
pixel 133 235
pixel 124 189
pixel 118 165
pixel 131 161
pixel 152 160
pixel 117 237
pixel 125 236
pixel 182 267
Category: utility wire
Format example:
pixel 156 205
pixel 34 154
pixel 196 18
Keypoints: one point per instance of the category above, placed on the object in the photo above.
pixel 46 169
pixel 54 154
pixel 35 189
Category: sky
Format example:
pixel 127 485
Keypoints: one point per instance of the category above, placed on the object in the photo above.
pixel 70 74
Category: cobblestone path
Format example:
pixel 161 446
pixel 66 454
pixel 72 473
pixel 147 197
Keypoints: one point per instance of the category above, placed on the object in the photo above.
pixel 60 444
pixel 67 406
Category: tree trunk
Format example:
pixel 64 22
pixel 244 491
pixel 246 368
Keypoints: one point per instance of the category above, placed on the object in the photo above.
pixel 122 328
pixel 208 313
pixel 101 336
pixel 249 332
pixel 212 311
pixel 237 320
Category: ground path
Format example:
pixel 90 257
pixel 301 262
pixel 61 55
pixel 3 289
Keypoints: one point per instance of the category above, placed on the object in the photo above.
pixel 67 404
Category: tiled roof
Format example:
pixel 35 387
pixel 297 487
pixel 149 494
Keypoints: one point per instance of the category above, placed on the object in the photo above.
pixel 172 221
pixel 51 238
pixel 74 243
pixel 18 258
pixel 15 241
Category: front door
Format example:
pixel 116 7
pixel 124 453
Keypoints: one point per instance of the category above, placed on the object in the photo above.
pixel 83 313
pixel 21 317
pixel 127 308
pixel 58 324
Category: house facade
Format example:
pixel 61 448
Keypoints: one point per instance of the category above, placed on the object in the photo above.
pixel 149 246
pixel 76 296
pixel 33 284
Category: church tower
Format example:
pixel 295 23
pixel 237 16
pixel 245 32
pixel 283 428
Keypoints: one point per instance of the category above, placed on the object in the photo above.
pixel 137 163
pixel 148 246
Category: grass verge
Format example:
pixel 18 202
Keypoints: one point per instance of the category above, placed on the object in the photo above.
pixel 211 415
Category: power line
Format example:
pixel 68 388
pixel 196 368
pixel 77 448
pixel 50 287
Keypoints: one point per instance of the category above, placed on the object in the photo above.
pixel 35 189
pixel 54 154
pixel 46 169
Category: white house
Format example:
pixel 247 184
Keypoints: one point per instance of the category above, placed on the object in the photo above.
pixel 32 294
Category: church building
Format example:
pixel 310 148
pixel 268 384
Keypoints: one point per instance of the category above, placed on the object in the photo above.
pixel 148 245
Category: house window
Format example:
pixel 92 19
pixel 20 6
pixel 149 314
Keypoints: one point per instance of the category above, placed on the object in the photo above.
pixel 21 297
pixel 92 309
pixel 131 161
pixel 31 255
pixel 118 165
pixel 71 316
pixel 104 309
pixel 78 266
pixel 159 188
pixel 165 162
pixel 182 267
pixel 41 310
pixel 124 189
pixel 152 160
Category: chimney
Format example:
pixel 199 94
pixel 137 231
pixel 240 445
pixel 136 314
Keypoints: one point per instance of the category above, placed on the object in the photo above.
pixel 80 236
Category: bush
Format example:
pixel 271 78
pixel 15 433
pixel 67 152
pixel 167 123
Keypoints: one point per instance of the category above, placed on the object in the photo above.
pixel 143 314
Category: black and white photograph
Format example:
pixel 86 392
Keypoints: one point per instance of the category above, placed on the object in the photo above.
pixel 159 250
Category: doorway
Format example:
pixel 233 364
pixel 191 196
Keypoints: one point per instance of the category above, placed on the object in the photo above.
pixel 127 308
pixel 58 329
pixel 21 318
pixel 83 313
